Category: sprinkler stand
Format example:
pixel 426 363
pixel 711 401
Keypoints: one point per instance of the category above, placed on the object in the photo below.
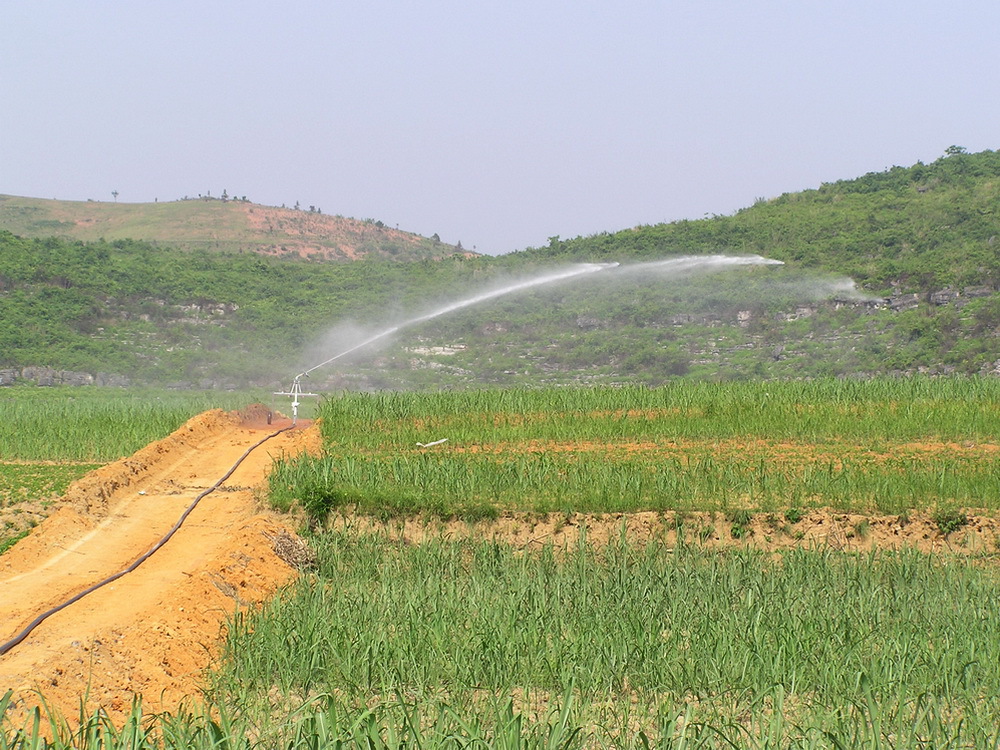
pixel 295 392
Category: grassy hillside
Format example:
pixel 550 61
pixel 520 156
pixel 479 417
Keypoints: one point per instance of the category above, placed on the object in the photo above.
pixel 216 225
pixel 909 229
pixel 920 241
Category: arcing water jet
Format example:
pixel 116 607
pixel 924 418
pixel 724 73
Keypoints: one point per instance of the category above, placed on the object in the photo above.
pixel 670 266
pixel 690 263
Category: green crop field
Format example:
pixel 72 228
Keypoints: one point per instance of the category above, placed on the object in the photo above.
pixel 97 424
pixel 631 643
pixel 475 642
pixel 812 649
pixel 884 445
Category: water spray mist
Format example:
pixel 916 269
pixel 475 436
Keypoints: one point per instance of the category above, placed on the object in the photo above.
pixel 672 266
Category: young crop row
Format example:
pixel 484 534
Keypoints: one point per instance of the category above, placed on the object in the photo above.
pixel 885 445
pixel 95 424
pixel 866 411
pixel 814 642
pixel 401 723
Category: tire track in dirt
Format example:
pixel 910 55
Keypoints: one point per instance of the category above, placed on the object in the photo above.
pixel 154 630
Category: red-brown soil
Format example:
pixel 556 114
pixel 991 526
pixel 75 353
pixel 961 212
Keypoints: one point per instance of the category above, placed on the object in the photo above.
pixel 154 630
pixel 283 231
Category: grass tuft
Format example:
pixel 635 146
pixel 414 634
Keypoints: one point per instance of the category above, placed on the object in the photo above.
pixel 949 520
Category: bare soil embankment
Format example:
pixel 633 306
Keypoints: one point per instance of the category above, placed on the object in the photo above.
pixel 154 630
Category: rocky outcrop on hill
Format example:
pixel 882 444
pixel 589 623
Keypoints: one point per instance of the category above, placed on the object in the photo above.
pixel 47 376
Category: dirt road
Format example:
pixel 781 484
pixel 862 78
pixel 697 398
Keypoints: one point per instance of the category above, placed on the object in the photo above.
pixel 154 630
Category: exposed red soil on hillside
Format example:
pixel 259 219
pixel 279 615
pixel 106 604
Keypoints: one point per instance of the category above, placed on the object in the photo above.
pixel 310 234
pixel 223 225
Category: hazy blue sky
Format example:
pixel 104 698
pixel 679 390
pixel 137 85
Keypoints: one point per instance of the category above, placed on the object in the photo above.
pixel 495 123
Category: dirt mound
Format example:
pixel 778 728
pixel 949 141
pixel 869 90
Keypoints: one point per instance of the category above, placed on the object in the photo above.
pixel 154 630
pixel 90 494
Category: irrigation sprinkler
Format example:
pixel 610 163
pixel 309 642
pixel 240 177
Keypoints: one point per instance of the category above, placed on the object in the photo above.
pixel 682 264
pixel 585 268
pixel 296 393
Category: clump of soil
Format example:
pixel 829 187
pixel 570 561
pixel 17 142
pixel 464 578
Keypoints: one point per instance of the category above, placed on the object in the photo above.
pixel 823 528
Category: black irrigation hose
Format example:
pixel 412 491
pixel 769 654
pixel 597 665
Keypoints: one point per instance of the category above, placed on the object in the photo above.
pixel 45 615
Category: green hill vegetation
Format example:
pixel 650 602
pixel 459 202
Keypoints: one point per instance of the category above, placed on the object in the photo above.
pixel 913 229
pixel 920 242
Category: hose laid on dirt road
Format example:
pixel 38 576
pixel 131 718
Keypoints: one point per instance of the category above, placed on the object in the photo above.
pixel 4 648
